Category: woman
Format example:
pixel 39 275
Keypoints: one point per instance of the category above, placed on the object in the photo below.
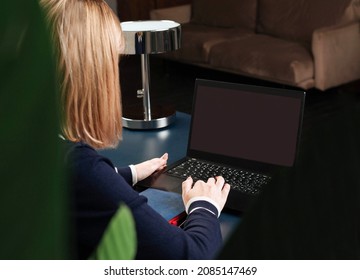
pixel 88 40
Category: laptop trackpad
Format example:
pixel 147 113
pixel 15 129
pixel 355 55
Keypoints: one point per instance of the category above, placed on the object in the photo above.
pixel 163 181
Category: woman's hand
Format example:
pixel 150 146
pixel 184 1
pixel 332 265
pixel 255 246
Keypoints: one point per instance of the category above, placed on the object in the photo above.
pixel 215 188
pixel 146 168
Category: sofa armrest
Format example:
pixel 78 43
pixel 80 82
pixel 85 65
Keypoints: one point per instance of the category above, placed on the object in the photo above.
pixel 336 52
pixel 180 14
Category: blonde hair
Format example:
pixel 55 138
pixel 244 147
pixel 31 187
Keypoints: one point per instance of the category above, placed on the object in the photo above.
pixel 88 40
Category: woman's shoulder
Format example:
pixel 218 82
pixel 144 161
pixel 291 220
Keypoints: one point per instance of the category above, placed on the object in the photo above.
pixel 79 153
pixel 74 148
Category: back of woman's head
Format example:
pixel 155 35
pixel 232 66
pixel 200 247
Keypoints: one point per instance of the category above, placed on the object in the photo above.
pixel 88 40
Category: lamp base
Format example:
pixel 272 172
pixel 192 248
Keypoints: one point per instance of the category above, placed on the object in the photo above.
pixel 161 117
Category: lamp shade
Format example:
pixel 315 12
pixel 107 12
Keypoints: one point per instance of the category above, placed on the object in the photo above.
pixel 151 36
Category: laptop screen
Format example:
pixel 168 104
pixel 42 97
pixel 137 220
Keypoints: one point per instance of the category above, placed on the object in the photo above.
pixel 248 122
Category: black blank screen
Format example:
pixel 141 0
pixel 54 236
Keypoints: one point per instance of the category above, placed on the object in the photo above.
pixel 248 125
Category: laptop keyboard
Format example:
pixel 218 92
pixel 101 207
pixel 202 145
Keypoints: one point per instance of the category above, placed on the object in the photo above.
pixel 241 180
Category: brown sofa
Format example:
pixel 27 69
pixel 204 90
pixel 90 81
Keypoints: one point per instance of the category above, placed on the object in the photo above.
pixel 306 44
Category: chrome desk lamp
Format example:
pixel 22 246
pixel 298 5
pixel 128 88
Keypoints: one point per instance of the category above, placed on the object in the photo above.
pixel 144 38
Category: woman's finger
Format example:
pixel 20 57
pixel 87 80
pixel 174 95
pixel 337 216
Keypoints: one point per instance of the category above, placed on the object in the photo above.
pixel 187 184
pixel 220 181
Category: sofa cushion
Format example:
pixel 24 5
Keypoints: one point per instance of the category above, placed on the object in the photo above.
pixel 225 13
pixel 296 20
pixel 197 41
pixel 265 57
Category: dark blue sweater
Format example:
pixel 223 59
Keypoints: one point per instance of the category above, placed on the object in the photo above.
pixel 98 191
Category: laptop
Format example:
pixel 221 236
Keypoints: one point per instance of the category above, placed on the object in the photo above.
pixel 247 132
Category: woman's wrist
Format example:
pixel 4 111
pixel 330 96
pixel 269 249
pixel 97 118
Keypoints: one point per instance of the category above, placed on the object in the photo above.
pixel 134 174
pixel 202 202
